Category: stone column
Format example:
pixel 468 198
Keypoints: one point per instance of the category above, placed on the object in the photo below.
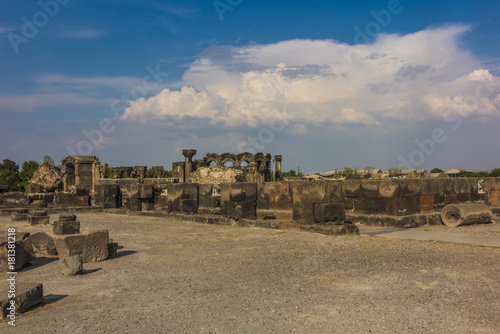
pixel 188 166
pixel 277 159
pixel 128 172
pixel 160 172
pixel 141 170
pixel 117 172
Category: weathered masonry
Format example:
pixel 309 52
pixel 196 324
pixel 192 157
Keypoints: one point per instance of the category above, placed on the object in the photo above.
pixel 396 202
pixel 256 167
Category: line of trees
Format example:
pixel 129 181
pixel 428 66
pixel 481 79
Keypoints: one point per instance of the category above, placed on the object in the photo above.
pixel 18 180
pixel 150 172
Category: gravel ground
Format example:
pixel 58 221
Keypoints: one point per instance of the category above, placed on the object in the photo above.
pixel 181 277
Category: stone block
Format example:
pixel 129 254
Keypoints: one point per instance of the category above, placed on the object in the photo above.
pixel 64 199
pixel 24 253
pixel 19 216
pixel 456 185
pixel 279 195
pixel 82 200
pixel 448 186
pixel 474 185
pixel 163 204
pixel 375 205
pixel 352 188
pixel 82 192
pixel 314 192
pixel 335 191
pixel 205 190
pixel 303 213
pixel 38 220
pixel 388 188
pixel 243 191
pixel 426 204
pixel 246 209
pixel 481 198
pixel 66 227
pixel 434 219
pixel 411 187
pixel 401 206
pixel 370 188
pixel 146 191
pixel 464 186
pixel 70 266
pixel 28 295
pixel 112 250
pixel 439 202
pixel 263 201
pixel 108 196
pixel 463 198
pixel 209 202
pixel 43 243
pixel 182 191
pixel 329 213
pixel 228 209
pixel 494 197
pixel 92 246
pixel 225 192
pixel 133 202
pixel 430 187
pixel 451 199
pixel 147 204
pixel 187 206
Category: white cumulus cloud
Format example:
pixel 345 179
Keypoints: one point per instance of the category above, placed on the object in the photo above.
pixel 397 78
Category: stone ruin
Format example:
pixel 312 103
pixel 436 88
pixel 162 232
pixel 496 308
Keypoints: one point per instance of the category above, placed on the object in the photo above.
pixel 245 191
pixel 255 167
pixel 46 179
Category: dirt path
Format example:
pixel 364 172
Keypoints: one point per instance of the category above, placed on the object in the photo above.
pixel 181 277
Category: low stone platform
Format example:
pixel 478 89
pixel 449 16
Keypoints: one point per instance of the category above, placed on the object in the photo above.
pixel 448 237
pixel 408 221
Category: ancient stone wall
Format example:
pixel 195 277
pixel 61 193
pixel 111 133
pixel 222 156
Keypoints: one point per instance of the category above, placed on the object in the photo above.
pixel 395 202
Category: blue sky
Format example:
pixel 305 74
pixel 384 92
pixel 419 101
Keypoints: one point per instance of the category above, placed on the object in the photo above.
pixel 327 84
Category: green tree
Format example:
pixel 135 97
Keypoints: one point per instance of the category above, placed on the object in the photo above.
pixel 151 173
pixel 290 173
pixel 495 172
pixel 394 171
pixel 168 173
pixel 27 170
pixel 47 159
pixel 9 173
pixel 437 170
pixel 108 172
pixel 351 173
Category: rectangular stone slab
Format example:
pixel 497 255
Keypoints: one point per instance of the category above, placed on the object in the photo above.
pixel 28 295
pixel 92 246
